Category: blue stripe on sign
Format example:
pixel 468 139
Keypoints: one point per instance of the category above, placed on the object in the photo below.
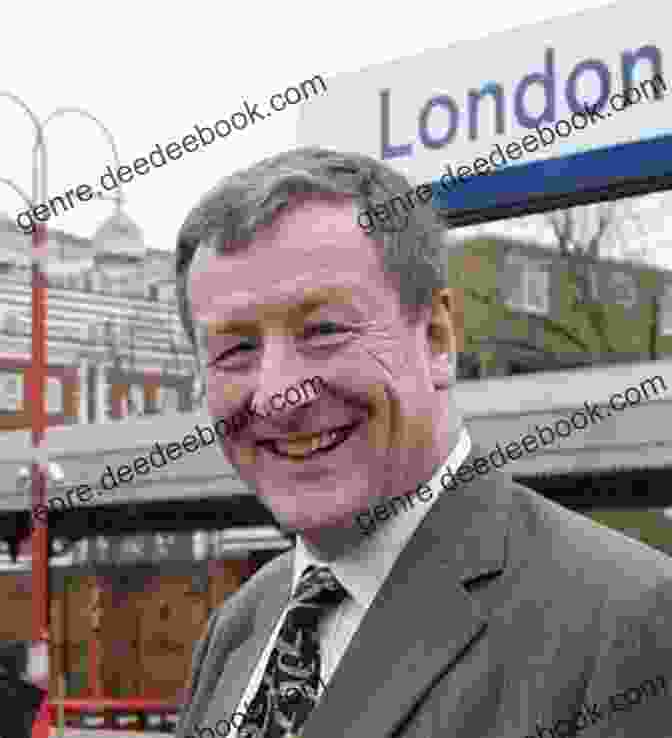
pixel 636 163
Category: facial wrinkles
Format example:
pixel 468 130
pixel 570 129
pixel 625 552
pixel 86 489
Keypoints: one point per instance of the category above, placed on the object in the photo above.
pixel 382 341
pixel 271 300
pixel 379 344
pixel 379 337
pixel 399 438
pixel 389 342
pixel 286 366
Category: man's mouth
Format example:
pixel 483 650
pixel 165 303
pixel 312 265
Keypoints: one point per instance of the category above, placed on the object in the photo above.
pixel 309 445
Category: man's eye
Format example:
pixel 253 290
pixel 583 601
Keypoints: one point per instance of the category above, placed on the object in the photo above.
pixel 323 328
pixel 246 345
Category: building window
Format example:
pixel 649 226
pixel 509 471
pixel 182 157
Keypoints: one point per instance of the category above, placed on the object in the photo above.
pixel 13 323
pixel 136 287
pixel 75 281
pixel 666 310
pixel 520 367
pixel 11 392
pixel 95 281
pixel 134 401
pixel 153 292
pixel 56 281
pixel 168 399
pixel 527 284
pixel 117 286
pixel 167 292
pixel 469 365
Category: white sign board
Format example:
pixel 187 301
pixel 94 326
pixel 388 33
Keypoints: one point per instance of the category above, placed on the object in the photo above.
pixel 449 106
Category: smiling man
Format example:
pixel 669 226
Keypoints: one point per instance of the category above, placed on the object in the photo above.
pixel 487 611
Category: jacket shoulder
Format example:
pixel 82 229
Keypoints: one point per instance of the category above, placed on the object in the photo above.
pixel 576 547
pixel 589 607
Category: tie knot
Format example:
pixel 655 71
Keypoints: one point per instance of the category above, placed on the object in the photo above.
pixel 319 586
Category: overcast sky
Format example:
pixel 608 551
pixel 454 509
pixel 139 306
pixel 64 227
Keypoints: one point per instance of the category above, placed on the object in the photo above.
pixel 150 71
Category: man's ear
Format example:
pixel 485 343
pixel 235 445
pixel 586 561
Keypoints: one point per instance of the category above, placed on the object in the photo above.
pixel 445 334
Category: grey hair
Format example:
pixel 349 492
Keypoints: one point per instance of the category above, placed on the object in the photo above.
pixel 230 213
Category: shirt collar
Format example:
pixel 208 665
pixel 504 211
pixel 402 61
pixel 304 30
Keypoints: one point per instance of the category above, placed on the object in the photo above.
pixel 363 569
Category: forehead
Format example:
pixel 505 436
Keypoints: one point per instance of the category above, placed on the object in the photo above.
pixel 314 247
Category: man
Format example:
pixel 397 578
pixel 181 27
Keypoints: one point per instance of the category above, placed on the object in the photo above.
pixel 23 687
pixel 485 612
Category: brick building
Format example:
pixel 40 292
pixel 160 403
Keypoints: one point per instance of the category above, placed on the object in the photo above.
pixel 115 352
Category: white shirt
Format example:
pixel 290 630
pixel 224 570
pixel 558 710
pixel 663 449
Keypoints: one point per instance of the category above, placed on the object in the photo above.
pixel 361 571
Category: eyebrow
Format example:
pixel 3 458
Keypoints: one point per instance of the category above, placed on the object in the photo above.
pixel 313 300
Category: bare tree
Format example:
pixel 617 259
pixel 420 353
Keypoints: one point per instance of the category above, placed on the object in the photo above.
pixel 602 230
pixel 619 230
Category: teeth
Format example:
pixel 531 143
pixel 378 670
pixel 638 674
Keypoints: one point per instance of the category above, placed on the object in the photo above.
pixel 308 446
pixel 297 448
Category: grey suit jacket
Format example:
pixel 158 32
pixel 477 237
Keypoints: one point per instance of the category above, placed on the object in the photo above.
pixel 505 616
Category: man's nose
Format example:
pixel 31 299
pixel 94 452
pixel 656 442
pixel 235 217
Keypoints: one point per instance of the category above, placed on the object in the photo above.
pixel 281 383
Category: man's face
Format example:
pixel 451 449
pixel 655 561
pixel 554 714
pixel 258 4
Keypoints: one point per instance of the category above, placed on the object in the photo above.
pixel 308 298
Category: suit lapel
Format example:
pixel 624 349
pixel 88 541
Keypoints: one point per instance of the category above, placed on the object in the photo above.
pixel 423 617
pixel 239 664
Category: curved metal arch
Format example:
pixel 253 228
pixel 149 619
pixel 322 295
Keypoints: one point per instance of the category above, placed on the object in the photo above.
pixel 19 101
pixel 23 195
pixel 80 111
pixel 39 141
pixel 118 199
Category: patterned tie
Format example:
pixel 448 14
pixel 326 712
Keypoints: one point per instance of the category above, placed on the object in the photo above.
pixel 288 690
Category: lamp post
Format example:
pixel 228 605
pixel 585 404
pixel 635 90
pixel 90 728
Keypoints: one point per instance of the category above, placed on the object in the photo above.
pixel 38 370
pixel 36 392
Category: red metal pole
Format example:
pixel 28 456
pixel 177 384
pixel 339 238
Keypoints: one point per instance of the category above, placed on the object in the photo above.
pixel 36 399
pixel 95 681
